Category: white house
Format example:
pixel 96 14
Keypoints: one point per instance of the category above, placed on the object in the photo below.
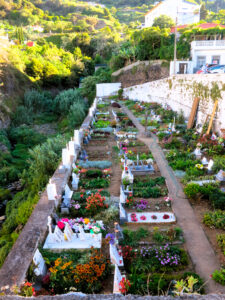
pixel 207 51
pixel 185 11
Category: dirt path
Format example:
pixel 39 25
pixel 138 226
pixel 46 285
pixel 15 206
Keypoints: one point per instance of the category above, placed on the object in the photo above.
pixel 199 248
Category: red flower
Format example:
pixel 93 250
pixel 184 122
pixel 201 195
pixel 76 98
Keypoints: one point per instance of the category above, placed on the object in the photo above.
pixel 165 217
pixel 27 284
pixel 61 225
pixel 81 195
pixel 154 217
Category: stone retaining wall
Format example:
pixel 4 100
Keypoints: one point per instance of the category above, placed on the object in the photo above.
pixel 179 92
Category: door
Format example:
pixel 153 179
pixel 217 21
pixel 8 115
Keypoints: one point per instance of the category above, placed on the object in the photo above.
pixel 201 60
pixel 183 68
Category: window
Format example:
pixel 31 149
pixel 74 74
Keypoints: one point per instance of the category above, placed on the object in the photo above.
pixel 201 60
pixel 216 60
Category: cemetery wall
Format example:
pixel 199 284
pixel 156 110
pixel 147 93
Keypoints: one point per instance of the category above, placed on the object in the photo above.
pixel 14 269
pixel 180 91
pixel 74 296
pixel 107 89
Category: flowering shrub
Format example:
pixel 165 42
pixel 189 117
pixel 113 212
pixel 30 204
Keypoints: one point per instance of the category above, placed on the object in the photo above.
pixel 111 238
pixel 95 203
pixel 25 290
pixel 124 285
pixel 128 254
pixel 89 277
pixel 61 278
pixel 130 201
pixel 142 205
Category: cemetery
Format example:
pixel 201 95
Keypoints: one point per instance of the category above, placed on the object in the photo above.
pixel 115 229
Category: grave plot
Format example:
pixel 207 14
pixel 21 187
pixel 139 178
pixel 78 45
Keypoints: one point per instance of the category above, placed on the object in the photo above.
pixel 197 159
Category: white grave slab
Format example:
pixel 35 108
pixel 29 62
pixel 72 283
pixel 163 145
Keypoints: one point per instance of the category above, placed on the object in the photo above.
pixel 77 137
pixel 38 260
pixel 72 148
pixel 122 212
pixel 68 232
pixel 149 219
pixel 90 240
pixel 123 197
pixel 75 181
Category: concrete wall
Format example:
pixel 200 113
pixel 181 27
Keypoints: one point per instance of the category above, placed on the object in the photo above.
pixel 107 89
pixel 179 92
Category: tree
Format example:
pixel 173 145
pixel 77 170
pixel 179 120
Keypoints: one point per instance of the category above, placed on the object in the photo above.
pixel 163 21
pixel 203 12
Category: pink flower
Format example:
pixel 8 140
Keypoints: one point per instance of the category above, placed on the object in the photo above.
pixel 65 220
pixel 167 199
pixel 143 218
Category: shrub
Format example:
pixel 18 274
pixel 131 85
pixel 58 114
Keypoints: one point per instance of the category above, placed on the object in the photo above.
pixel 221 241
pixel 192 191
pixel 64 100
pixel 94 173
pixel 219 164
pixel 38 100
pixel 95 203
pixel 215 219
pixel 77 114
pixel 219 276
pixel 22 115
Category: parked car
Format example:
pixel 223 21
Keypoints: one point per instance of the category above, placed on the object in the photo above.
pixel 209 67
pixel 217 69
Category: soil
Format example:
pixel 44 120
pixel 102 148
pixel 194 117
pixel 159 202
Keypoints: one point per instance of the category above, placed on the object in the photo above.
pixel 152 202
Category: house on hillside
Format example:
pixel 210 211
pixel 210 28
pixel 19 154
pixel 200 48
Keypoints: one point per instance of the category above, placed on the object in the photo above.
pixel 186 12
pixel 204 49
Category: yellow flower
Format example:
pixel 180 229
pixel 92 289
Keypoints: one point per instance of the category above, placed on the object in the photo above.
pixel 86 221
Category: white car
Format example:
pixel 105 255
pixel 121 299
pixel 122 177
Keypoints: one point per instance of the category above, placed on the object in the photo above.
pixel 220 69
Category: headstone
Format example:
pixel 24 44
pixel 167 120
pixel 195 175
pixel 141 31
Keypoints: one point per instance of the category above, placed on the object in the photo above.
pixel 51 191
pixel 58 235
pixel 68 232
pixel 204 161
pixel 198 153
pixel 220 176
pixel 210 165
pixel 77 137
pixel 117 278
pixel 66 157
pixel 38 260
pixel 75 181
pixel 72 148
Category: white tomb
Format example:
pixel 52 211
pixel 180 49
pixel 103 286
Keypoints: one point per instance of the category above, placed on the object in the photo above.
pixel 115 258
pixel 72 148
pixel 128 175
pixel 38 260
pixel 117 278
pixel 123 214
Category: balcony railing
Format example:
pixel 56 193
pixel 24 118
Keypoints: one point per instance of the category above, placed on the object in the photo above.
pixel 215 43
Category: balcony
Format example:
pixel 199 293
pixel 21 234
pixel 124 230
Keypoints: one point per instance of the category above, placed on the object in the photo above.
pixel 208 45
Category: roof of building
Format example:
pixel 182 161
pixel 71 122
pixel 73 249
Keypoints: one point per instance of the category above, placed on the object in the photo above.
pixel 202 26
pixel 161 2
pixel 151 10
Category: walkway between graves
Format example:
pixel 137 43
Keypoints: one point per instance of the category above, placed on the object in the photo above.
pixel 199 247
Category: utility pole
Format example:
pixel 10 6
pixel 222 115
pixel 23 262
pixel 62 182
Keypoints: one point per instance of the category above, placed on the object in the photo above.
pixel 175 48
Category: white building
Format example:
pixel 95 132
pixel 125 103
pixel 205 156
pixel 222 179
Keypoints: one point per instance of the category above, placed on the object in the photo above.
pixel 185 11
pixel 211 52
